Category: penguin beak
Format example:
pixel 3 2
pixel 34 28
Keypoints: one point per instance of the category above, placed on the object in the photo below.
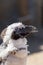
pixel 32 29
pixel 24 32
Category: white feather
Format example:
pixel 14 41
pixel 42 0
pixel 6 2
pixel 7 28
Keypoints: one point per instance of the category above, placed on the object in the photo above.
pixel 20 57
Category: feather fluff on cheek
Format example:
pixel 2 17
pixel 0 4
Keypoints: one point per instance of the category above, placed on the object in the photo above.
pixel 10 29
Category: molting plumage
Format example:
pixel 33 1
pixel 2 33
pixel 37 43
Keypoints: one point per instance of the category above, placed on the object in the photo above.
pixel 14 40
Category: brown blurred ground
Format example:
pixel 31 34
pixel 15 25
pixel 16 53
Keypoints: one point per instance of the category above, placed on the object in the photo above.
pixel 35 59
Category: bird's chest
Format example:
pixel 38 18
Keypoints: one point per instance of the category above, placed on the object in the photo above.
pixel 20 57
pixel 13 60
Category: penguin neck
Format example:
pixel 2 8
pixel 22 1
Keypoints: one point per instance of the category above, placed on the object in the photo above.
pixel 19 42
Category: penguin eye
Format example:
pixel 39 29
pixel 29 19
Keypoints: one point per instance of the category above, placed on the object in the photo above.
pixel 15 36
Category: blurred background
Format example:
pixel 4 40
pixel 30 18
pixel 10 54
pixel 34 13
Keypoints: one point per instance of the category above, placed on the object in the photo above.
pixel 27 11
